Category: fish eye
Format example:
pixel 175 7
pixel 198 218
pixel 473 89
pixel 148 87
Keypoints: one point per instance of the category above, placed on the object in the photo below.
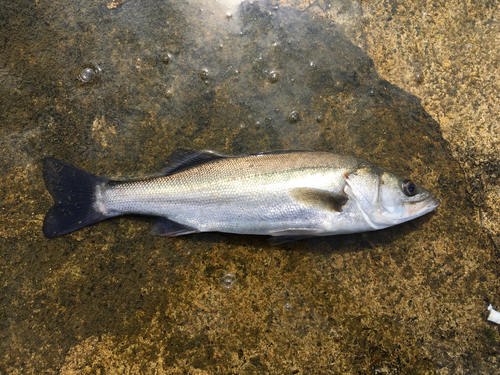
pixel 409 188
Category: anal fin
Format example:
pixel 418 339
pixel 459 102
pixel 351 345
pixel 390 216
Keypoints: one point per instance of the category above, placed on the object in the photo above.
pixel 284 239
pixel 168 228
pixel 293 234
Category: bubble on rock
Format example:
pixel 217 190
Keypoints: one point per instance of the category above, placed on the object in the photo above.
pixel 228 280
pixel 166 58
pixel 319 118
pixel 294 117
pixel 273 77
pixel 204 75
pixel 419 78
pixel 208 94
pixel 89 74
pixel 169 93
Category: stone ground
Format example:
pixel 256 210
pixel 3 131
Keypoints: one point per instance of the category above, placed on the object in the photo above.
pixel 410 86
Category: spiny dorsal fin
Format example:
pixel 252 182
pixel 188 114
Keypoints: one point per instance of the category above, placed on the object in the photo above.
pixel 276 152
pixel 182 159
pixel 320 199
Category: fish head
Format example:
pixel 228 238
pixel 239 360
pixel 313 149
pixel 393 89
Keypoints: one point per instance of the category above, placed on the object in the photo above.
pixel 386 198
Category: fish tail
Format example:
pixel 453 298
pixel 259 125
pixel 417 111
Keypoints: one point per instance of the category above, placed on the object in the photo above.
pixel 74 193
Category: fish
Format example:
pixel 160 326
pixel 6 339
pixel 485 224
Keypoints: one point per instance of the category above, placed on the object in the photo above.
pixel 288 195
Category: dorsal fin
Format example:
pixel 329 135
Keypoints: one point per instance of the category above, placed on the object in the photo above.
pixel 277 152
pixel 183 159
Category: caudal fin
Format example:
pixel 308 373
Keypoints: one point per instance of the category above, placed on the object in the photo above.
pixel 73 191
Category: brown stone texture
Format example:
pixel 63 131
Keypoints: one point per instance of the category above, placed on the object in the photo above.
pixel 410 86
pixel 447 55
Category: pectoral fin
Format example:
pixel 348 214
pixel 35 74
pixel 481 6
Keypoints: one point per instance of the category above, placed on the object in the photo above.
pixel 320 199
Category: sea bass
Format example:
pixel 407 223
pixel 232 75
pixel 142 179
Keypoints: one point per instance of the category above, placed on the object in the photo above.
pixel 286 194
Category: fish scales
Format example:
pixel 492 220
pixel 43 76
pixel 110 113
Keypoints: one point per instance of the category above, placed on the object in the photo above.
pixel 247 194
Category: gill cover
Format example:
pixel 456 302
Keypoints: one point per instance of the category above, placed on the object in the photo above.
pixel 363 185
pixel 385 198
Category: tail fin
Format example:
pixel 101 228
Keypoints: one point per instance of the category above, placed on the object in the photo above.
pixel 73 191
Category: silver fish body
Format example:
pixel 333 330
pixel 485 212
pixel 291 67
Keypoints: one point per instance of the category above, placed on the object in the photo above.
pixel 287 194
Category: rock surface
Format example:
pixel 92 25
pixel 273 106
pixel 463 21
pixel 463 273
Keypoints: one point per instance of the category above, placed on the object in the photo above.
pixel 410 87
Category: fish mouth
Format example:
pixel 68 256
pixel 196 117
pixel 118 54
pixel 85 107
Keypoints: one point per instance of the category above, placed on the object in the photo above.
pixel 424 207
pixel 432 202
